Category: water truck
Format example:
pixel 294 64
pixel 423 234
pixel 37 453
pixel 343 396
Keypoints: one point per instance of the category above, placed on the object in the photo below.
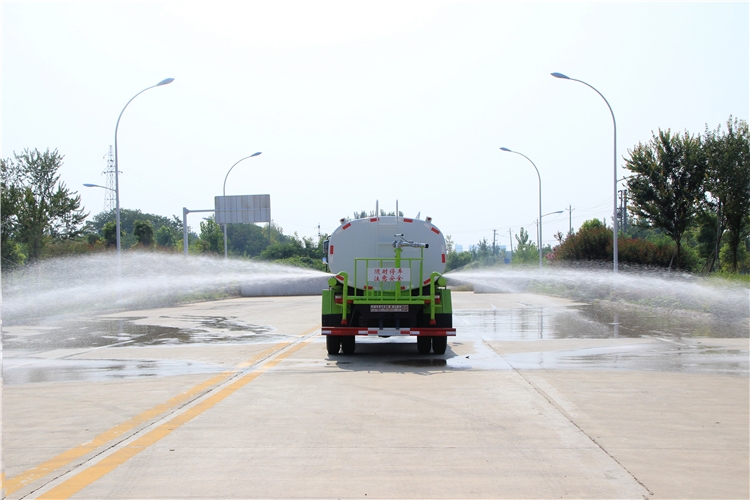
pixel 387 281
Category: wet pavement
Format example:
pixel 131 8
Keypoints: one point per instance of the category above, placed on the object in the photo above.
pixel 33 370
pixel 535 397
pixel 620 339
pixel 44 353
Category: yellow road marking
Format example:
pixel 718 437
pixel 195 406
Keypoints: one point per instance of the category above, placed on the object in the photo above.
pixel 108 464
pixel 15 483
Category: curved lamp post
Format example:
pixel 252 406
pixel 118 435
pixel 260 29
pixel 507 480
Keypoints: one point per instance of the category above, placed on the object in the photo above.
pixel 539 233
pixel 224 192
pixel 108 189
pixel 551 213
pixel 97 186
pixel 614 194
pixel 117 170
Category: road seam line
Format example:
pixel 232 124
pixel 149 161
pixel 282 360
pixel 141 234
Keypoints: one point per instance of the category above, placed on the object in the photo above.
pixel 568 417
pixel 37 472
pixel 122 451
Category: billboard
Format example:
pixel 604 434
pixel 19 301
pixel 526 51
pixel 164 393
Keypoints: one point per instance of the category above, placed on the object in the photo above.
pixel 243 209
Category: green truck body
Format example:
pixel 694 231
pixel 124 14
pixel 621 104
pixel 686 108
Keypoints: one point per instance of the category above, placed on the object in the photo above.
pixel 387 282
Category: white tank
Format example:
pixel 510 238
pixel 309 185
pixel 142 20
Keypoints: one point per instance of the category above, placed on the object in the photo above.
pixel 373 238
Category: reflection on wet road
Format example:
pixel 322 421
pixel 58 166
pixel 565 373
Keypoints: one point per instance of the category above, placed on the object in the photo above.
pixel 30 370
pixel 580 337
pixel 591 322
pixel 592 337
pixel 48 353
pixel 104 332
pixel 523 337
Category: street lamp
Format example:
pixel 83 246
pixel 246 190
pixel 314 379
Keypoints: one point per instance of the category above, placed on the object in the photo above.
pixel 117 169
pixel 97 186
pixel 224 192
pixel 539 232
pixel 614 211
pixel 551 213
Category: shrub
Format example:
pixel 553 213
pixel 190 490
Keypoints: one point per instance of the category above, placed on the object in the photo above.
pixel 587 244
pixel 143 230
pixel 456 260
pixel 595 243
pixel 166 237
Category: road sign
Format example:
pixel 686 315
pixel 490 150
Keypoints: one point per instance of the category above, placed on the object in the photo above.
pixel 243 209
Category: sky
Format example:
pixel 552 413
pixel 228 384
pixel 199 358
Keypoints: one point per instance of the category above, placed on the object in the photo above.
pixel 358 103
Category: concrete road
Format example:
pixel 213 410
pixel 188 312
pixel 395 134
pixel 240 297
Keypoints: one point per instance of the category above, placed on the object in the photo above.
pixel 536 397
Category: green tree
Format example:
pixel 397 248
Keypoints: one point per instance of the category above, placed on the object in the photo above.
pixel 742 258
pixel 211 238
pixel 40 206
pixel 92 239
pixel 703 235
pixel 592 224
pixel 363 214
pixel 246 239
pixel 12 253
pixel 456 260
pixel 592 241
pixel 127 223
pixel 296 251
pixel 449 245
pixel 166 237
pixel 526 251
pixel 128 218
pixel 278 251
pixel 143 231
pixel 109 232
pixel 667 183
pixel 728 183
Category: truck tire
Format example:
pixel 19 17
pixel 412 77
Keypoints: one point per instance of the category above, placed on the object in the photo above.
pixel 423 344
pixel 347 344
pixel 439 344
pixel 333 344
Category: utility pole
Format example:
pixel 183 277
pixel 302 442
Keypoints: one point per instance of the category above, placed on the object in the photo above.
pixel 510 234
pixel 570 219
pixel 622 211
pixel 494 251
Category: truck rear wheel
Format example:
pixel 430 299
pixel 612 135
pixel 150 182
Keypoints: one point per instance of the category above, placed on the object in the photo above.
pixel 423 344
pixel 347 344
pixel 439 344
pixel 333 344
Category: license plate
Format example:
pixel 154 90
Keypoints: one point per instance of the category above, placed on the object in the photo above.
pixel 389 308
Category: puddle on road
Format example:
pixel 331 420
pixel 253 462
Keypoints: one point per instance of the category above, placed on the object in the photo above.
pixel 657 356
pixel 592 322
pixel 103 332
pixel 675 345
pixel 36 370
pixel 479 328
pixel 24 360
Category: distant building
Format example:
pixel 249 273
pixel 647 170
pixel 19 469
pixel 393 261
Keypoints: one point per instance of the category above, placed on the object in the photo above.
pixel 459 248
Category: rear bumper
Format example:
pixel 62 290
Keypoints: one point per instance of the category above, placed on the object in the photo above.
pixel 389 332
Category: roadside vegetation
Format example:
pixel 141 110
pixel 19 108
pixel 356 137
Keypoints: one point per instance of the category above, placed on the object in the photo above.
pixel 688 209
